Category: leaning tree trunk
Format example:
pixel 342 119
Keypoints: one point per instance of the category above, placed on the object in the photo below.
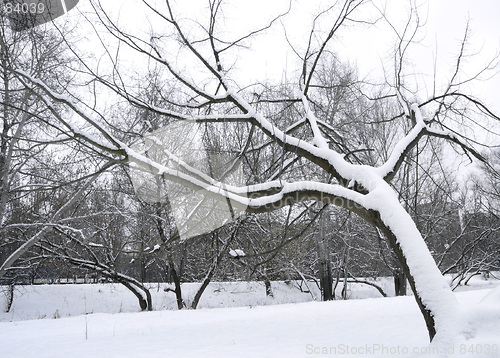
pixel 142 302
pixel 431 291
pixel 135 287
pixel 129 282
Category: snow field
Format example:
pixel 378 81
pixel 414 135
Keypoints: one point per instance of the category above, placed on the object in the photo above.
pixel 381 327
pixel 47 301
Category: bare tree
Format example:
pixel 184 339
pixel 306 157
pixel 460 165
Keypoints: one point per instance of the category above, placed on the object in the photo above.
pixel 474 249
pixel 30 140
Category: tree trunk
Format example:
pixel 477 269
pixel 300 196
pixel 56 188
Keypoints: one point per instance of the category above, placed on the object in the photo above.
pixel 426 312
pixel 269 289
pixel 326 280
pixel 379 289
pixel 337 280
pixel 177 284
pixel 142 302
pixel 213 267
pixel 10 296
pixel 325 266
pixel 134 286
pixel 344 287
pixel 345 272
pixel 142 262
pixel 148 298
pixel 399 282
pixel 433 296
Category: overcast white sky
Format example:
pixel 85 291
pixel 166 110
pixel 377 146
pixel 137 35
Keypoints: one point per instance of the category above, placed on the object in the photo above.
pixel 268 55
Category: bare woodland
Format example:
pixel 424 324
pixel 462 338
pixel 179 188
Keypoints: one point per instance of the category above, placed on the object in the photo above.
pixel 343 178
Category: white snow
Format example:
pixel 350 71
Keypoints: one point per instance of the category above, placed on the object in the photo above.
pixel 237 253
pixel 386 327
pixel 318 139
pixel 42 301
pixel 155 248
pixel 93 244
pixel 404 143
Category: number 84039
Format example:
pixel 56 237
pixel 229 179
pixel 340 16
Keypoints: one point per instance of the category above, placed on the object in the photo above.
pixel 8 8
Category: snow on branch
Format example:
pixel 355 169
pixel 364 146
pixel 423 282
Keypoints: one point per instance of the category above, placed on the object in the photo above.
pixel 265 197
pixel 324 157
pixel 455 139
pixel 290 193
pixel 318 138
pixel 55 217
pixel 54 96
pixel 389 169
pixel 236 253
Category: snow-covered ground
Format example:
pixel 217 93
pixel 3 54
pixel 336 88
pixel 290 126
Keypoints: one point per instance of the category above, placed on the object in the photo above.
pixel 49 301
pixel 380 327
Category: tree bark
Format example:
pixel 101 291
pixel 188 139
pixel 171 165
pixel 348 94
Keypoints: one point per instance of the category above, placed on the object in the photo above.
pixel 10 296
pixel 213 267
pixel 399 282
pixel 177 284
pixel 142 302
pixel 400 254
pixel 325 266
pixel 269 289
pixel 326 280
